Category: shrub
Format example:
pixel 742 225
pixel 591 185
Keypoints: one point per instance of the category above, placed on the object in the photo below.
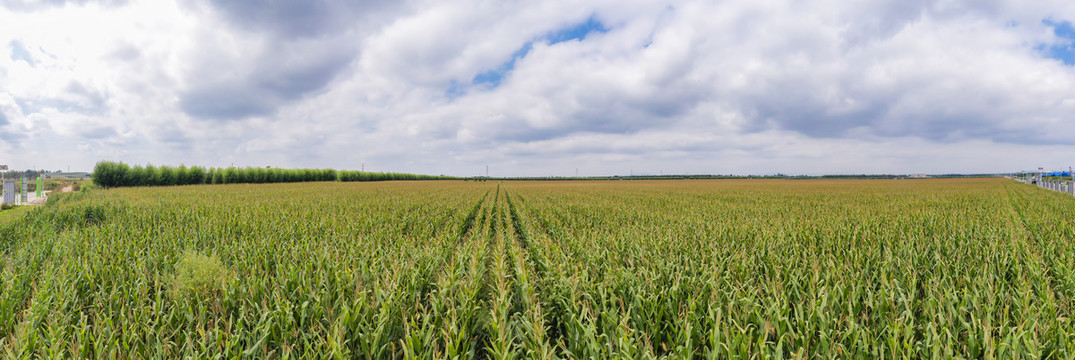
pixel 198 275
pixel 109 174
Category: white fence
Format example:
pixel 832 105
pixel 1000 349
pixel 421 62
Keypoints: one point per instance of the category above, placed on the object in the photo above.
pixel 1055 185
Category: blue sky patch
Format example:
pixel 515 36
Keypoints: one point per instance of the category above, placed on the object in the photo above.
pixel 19 52
pixel 494 77
pixel 577 32
pixel 455 90
pixel 1065 49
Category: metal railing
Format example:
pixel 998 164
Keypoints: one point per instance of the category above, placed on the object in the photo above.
pixel 1063 186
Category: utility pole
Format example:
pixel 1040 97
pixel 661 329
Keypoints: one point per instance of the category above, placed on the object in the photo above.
pixel 2 187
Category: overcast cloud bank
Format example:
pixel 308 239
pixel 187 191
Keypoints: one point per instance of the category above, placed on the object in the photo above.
pixel 541 88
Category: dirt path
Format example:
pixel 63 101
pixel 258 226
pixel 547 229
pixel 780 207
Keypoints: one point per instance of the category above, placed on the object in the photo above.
pixel 67 189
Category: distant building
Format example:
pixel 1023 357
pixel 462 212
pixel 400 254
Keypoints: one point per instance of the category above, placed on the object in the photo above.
pixel 919 176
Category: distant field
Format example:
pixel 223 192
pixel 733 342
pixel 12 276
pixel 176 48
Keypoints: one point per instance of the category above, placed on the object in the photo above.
pixel 69 175
pixel 975 268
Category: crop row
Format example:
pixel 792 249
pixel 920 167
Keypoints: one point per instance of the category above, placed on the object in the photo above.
pixel 977 268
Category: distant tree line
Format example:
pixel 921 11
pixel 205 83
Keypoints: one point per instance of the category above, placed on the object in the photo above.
pixel 348 175
pixel 29 174
pixel 722 177
pixel 118 174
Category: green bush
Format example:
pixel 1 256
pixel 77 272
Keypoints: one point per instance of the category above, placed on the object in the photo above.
pixel 198 275
pixel 109 174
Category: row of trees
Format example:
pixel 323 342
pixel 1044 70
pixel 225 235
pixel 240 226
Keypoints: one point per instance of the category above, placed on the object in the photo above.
pixel 29 174
pixel 118 174
pixel 348 175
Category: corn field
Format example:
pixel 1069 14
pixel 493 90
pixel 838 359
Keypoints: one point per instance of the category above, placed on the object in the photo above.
pixel 721 269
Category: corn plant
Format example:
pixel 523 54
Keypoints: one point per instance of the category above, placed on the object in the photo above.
pixel 715 269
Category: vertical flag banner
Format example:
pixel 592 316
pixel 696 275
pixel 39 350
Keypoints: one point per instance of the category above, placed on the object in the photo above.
pixel 9 192
pixel 40 186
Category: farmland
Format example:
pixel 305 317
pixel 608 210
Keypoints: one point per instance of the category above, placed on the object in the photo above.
pixel 978 268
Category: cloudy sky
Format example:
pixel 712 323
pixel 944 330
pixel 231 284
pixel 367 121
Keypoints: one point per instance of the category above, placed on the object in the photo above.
pixel 541 87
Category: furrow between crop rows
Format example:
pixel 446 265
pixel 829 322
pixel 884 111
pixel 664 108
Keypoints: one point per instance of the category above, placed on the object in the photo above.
pixel 1048 242
pixel 965 268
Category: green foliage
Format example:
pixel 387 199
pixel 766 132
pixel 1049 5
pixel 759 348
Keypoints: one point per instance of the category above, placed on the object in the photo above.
pixel 110 174
pixel 117 174
pixel 766 269
pixel 198 275
pixel 348 175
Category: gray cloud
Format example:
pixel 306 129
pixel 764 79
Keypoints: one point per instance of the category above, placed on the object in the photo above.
pixel 909 75
pixel 605 110
pixel 74 98
pixel 292 78
pixel 89 131
pixel 281 74
pixel 227 101
pixel 91 99
pixel 12 138
pixel 298 18
pixel 882 70
pixel 126 52
pixel 889 17
pixel 729 86
pixel 174 136
pixel 9 132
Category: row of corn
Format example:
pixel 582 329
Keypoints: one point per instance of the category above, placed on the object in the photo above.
pixel 978 268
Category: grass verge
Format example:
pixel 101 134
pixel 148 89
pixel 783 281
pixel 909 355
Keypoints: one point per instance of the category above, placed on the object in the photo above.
pixel 13 213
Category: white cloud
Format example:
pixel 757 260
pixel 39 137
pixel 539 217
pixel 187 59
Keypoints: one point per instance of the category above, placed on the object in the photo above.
pixel 678 86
